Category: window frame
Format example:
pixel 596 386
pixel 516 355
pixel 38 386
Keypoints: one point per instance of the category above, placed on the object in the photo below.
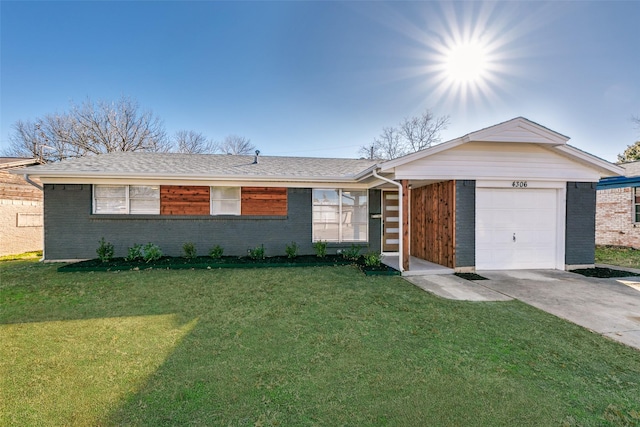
pixel 635 204
pixel 127 200
pixel 238 212
pixel 340 212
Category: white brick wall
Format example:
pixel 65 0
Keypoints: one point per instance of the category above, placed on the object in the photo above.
pixel 14 239
pixel 614 218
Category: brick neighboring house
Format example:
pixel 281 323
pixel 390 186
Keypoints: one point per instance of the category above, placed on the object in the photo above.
pixel 618 209
pixel 21 209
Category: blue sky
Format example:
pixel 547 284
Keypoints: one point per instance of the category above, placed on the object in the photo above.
pixel 323 78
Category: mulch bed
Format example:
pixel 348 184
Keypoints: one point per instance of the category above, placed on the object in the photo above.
pixel 604 273
pixel 470 276
pixel 202 262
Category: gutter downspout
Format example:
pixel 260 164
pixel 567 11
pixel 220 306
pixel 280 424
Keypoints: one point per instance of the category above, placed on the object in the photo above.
pixel 400 215
pixel 39 187
pixel 26 178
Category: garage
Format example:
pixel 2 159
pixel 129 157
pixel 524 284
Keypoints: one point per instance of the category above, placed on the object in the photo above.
pixel 516 228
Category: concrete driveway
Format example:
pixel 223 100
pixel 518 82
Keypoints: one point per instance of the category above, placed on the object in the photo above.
pixel 610 307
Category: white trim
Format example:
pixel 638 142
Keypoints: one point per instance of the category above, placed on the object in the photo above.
pixel 401 234
pixel 592 160
pixel 209 182
pixel 238 200
pixel 530 183
pixel 561 215
pixel 340 216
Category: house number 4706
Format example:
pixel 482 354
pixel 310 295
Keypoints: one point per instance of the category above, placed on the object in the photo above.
pixel 519 184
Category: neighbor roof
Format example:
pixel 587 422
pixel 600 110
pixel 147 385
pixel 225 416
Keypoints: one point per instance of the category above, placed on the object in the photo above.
pixel 176 165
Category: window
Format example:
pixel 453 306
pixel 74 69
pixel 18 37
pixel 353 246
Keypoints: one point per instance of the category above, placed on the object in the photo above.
pixel 225 200
pixel 340 215
pixel 126 199
pixel 636 204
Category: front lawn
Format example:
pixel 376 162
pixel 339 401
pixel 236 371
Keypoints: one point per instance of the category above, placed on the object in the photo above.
pixel 623 257
pixel 292 347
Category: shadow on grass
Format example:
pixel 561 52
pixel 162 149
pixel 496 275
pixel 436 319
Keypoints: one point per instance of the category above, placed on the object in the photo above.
pixel 328 346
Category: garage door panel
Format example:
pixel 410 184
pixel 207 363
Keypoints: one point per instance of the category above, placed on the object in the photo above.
pixel 530 214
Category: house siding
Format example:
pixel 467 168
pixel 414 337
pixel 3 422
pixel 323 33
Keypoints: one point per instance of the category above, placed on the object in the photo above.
pixel 580 223
pixel 465 224
pixel 72 232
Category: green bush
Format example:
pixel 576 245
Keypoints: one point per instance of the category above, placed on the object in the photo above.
pixel 353 253
pixel 292 250
pixel 257 252
pixel 189 250
pixel 105 251
pixel 216 252
pixel 135 252
pixel 372 259
pixel 321 248
pixel 152 252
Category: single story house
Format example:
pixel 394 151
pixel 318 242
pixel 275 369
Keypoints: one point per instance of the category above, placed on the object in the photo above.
pixel 618 208
pixel 511 196
pixel 20 209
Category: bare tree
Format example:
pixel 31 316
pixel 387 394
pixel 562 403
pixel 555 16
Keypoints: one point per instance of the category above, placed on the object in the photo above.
pixel 385 146
pixel 411 135
pixel 234 144
pixel 422 131
pixel 191 142
pixel 90 128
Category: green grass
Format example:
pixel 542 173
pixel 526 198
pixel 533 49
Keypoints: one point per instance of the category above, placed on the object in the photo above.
pixel 623 257
pixel 27 255
pixel 292 347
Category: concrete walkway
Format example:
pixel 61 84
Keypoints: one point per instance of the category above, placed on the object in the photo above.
pixel 610 307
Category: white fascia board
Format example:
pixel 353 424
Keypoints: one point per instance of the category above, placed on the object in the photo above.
pixel 590 159
pixel 238 182
pixel 461 177
pixel 389 165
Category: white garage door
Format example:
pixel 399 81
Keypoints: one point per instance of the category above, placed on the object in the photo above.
pixel 515 228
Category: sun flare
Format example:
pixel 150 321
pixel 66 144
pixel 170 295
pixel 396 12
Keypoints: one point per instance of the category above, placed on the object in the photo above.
pixel 466 62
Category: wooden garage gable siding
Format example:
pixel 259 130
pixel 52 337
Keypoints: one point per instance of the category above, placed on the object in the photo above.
pixel 433 223
pixel 264 201
pixel 184 200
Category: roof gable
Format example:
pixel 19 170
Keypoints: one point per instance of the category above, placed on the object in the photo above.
pixel 517 130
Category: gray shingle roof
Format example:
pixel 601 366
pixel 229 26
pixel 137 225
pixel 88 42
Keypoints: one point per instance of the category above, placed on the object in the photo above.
pixel 175 165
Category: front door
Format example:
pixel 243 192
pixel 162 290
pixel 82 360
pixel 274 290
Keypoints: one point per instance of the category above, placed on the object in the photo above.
pixel 390 222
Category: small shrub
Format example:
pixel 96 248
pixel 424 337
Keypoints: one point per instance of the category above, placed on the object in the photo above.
pixel 353 253
pixel 135 252
pixel 189 250
pixel 105 251
pixel 152 252
pixel 216 252
pixel 257 252
pixel 321 248
pixel 372 259
pixel 292 250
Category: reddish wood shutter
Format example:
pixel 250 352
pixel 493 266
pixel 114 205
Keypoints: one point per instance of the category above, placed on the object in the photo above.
pixel 184 200
pixel 264 201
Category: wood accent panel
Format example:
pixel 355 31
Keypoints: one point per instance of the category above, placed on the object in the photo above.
pixel 433 218
pixel 184 200
pixel 264 201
